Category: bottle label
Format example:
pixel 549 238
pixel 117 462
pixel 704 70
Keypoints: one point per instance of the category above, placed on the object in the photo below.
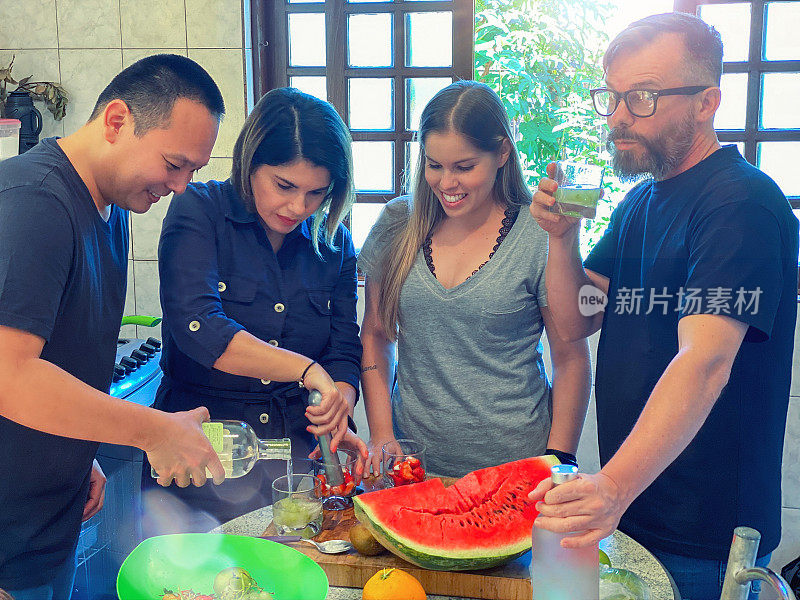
pixel 214 432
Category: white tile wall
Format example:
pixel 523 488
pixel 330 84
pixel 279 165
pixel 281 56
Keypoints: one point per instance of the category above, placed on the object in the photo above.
pixel 88 24
pixel 29 24
pixel 153 23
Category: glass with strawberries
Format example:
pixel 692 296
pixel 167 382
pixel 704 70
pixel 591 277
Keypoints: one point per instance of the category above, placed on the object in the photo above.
pixel 403 467
pixel 351 472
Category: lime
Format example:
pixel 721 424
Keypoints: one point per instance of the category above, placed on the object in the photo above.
pixel 621 584
pixel 604 560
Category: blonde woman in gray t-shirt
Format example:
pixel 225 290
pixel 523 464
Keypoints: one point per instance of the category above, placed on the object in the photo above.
pixel 455 284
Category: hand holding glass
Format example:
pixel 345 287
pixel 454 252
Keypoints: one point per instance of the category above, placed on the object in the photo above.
pixel 579 188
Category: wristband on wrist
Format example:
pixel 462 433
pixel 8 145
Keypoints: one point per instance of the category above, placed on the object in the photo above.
pixel 301 381
pixel 565 457
pixel 351 424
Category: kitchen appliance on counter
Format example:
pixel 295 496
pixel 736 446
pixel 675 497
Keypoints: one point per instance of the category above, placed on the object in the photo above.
pixel 19 105
pixel 108 537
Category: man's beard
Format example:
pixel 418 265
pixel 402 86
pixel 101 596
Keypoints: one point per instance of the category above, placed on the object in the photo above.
pixel 661 156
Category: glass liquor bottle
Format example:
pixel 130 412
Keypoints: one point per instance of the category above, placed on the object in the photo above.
pixel 239 448
pixel 559 573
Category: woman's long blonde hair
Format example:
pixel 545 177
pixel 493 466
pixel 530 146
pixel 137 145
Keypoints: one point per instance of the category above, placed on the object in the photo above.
pixel 474 111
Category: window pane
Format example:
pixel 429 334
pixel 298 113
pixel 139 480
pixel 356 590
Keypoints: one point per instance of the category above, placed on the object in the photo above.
pixel 419 90
pixel 410 170
pixel 373 164
pixel 362 217
pixel 357 1
pixel 731 113
pixel 779 101
pixel 782 41
pixel 429 38
pixel 779 161
pixel 305 1
pixel 307 39
pixel 733 23
pixel 371 103
pixel 316 86
pixel 369 40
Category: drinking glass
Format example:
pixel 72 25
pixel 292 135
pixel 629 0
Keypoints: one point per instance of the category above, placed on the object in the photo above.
pixel 339 497
pixel 297 504
pixel 404 467
pixel 579 188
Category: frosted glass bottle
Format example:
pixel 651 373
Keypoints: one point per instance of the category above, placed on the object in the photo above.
pixel 559 573
pixel 238 447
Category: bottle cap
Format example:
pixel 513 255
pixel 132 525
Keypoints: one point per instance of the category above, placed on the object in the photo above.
pixel 563 473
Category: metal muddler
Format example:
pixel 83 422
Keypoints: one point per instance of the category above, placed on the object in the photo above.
pixel 333 469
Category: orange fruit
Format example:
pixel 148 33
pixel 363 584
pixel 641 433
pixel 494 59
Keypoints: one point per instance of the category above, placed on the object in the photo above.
pixel 393 584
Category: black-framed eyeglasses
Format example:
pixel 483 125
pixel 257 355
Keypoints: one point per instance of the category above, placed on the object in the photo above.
pixel 640 103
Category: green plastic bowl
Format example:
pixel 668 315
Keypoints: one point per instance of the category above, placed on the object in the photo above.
pixel 192 561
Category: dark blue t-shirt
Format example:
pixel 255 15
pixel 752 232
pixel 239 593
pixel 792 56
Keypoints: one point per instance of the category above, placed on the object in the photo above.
pixel 719 238
pixel 63 278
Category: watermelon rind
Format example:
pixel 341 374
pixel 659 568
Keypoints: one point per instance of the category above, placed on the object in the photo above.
pixel 441 559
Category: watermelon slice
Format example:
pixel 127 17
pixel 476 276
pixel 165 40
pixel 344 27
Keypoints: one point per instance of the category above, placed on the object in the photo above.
pixel 483 520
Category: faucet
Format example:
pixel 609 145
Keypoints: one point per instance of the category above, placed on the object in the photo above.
pixel 741 570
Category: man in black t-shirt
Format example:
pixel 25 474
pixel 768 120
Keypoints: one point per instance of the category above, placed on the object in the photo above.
pixel 63 262
pixel 698 267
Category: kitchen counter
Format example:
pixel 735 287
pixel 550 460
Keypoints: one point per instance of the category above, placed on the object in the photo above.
pixel 623 551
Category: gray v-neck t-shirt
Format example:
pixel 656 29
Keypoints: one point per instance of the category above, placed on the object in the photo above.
pixel 471 383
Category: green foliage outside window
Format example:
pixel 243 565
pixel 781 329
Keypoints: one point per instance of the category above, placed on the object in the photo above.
pixel 542 57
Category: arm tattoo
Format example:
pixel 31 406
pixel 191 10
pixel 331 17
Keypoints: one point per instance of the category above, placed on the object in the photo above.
pixel 369 368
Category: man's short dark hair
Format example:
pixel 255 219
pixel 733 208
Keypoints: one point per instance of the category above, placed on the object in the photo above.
pixel 151 86
pixel 703 43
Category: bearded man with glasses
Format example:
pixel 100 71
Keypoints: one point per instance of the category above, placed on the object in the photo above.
pixel 699 265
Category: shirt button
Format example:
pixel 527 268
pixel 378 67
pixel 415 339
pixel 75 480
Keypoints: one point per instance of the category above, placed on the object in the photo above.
pixel 274 343
pixel 264 418
pixel 279 308
pixel 221 286
pixel 194 325
pixel 329 304
pixel 266 381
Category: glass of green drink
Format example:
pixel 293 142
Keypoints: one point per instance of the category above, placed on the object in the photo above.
pixel 297 505
pixel 579 188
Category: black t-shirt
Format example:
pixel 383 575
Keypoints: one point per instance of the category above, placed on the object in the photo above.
pixel 63 278
pixel 719 238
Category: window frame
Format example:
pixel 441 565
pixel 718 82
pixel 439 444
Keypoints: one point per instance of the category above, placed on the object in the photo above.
pixel 269 33
pixel 755 67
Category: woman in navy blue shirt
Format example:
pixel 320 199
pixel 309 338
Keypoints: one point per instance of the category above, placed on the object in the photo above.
pixel 258 291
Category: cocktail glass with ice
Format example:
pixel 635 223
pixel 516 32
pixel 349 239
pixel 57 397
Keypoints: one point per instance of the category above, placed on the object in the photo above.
pixel 297 505
pixel 579 188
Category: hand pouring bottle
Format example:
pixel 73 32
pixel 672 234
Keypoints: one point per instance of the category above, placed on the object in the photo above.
pixel 559 573
pixel 238 447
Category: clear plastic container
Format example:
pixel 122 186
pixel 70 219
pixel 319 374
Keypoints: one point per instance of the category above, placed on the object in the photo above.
pixel 559 573
pixel 9 138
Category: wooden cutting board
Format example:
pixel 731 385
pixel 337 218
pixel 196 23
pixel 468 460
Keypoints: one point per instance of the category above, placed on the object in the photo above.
pixel 507 582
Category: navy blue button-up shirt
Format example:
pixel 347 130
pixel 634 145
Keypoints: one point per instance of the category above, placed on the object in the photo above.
pixel 219 275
